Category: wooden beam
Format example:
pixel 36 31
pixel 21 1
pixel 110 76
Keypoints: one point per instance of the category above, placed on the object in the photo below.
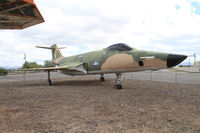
pixel 14 8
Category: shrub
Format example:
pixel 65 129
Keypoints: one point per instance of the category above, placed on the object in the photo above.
pixel 3 71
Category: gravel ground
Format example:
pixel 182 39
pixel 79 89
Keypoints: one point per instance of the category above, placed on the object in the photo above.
pixel 85 105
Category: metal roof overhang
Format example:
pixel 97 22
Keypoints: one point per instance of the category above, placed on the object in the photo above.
pixel 19 14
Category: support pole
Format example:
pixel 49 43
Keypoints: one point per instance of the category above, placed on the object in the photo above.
pixel 195 66
pixel 49 78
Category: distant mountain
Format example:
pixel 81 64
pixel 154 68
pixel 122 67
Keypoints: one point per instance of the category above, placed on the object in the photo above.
pixel 11 67
pixel 186 64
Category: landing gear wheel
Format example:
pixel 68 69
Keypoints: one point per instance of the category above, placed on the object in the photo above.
pixel 102 79
pixel 49 83
pixel 117 80
pixel 118 86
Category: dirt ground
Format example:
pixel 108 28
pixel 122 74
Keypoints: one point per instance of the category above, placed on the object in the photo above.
pixel 85 105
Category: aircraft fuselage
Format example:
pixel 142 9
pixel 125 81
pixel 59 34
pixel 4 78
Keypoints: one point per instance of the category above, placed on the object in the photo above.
pixel 113 61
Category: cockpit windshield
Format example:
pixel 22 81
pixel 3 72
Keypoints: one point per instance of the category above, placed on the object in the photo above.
pixel 120 47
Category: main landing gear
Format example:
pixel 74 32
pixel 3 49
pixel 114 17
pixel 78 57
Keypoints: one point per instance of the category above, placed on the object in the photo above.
pixel 117 80
pixel 102 79
pixel 49 78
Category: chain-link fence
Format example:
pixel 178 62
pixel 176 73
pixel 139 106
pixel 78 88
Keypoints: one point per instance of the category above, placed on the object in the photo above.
pixel 165 76
pixel 162 75
pixel 27 76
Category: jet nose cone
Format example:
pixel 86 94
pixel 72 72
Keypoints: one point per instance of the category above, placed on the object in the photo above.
pixel 173 60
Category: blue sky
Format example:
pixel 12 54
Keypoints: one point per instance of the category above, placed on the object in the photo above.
pixel 195 7
pixel 159 25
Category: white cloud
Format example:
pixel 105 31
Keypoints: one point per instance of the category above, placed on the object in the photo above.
pixel 167 25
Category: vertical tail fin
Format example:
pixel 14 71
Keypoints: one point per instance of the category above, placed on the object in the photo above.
pixel 56 54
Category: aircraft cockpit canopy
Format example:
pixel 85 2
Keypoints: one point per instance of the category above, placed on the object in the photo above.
pixel 119 47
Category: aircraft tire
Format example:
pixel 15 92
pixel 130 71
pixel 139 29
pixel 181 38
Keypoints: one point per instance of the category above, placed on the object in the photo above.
pixel 102 79
pixel 118 86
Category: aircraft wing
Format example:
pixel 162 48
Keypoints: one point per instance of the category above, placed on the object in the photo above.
pixel 68 68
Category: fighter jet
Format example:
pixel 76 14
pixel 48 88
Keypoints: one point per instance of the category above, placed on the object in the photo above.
pixel 117 58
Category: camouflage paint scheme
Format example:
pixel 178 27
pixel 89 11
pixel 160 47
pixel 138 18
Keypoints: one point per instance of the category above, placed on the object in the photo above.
pixel 109 61
pixel 117 58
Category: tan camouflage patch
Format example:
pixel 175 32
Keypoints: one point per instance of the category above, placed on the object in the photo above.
pixel 154 62
pixel 56 60
pixel 119 61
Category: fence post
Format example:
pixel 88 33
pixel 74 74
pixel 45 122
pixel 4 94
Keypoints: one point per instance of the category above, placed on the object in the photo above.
pixel 132 75
pixel 24 76
pixel 175 77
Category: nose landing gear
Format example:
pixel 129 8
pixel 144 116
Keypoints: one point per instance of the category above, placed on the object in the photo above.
pixel 117 80
pixel 102 79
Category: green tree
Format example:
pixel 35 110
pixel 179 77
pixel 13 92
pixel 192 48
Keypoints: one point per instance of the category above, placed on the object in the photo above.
pixel 34 65
pixel 25 65
pixel 3 71
pixel 30 65
pixel 48 63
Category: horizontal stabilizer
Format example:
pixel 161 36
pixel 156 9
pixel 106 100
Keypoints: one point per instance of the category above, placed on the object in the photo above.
pixel 43 47
pixel 48 47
